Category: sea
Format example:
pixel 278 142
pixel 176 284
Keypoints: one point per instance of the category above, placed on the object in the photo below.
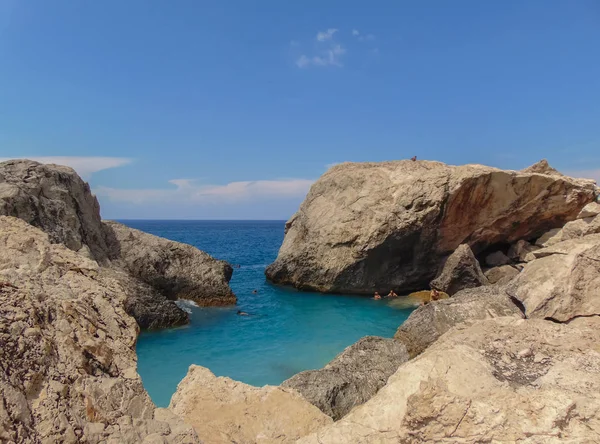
pixel 286 331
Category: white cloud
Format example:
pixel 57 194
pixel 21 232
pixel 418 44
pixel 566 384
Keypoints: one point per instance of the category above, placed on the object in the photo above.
pixel 188 191
pixel 328 57
pixel 323 36
pixel 355 32
pixel 85 166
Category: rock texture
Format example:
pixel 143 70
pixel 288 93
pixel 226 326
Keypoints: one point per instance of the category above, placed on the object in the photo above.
pixel 564 283
pixel 572 230
pixel 519 251
pixel 498 380
pixel 226 411
pixel 427 323
pixel 177 270
pixel 352 378
pixel 501 275
pixel 461 270
pixel 55 199
pixel 590 210
pixel 366 226
pixel 67 360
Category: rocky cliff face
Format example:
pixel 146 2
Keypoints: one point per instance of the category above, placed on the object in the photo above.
pixel 375 226
pixel 67 360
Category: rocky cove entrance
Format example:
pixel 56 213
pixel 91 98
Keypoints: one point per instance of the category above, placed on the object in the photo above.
pixel 286 331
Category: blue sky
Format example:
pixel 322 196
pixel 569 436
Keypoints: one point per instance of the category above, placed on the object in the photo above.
pixel 230 109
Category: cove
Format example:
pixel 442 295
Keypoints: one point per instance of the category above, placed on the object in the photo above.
pixel 286 332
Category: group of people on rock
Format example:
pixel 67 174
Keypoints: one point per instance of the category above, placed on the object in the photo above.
pixel 391 294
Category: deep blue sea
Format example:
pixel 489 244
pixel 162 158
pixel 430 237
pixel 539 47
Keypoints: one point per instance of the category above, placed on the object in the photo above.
pixel 287 331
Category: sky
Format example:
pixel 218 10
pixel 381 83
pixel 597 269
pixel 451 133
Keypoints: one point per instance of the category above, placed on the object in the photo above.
pixel 230 109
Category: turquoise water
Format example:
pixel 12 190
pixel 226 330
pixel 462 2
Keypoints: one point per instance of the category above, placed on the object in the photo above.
pixel 287 331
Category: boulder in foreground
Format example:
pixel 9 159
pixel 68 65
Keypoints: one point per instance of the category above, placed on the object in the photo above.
pixel 224 411
pixel 492 381
pixel 367 226
pixel 352 378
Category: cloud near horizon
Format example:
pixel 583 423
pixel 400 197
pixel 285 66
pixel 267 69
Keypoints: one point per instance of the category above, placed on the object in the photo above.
pixel 188 191
pixel 85 166
pixel 329 52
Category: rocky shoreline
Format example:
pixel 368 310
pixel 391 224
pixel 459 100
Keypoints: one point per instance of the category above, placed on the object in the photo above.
pixel 513 354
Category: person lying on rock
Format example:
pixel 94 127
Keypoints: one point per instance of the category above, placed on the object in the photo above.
pixel 435 295
pixel 376 296
pixel 392 294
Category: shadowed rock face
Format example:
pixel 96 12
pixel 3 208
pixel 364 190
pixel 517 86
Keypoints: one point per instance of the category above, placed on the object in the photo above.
pixel 461 270
pixel 365 226
pixel 352 378
pixel 67 354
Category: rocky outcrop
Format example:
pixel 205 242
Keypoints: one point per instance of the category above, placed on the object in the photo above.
pixel 67 360
pixel 590 210
pixel 427 323
pixel 498 380
pixel 352 378
pixel 520 251
pixel 56 200
pixel 461 270
pixel 563 283
pixel 177 270
pixel 225 411
pixel 366 226
pixel 572 230
pixel 501 275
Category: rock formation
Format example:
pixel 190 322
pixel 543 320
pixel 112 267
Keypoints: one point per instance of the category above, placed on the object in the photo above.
pixel 501 275
pixel 68 364
pixel 497 380
pixel 427 323
pixel 461 270
pixel 177 270
pixel 365 226
pixel 226 411
pixel 352 378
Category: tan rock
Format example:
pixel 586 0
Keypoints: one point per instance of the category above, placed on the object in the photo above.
pixel 501 275
pixel 498 380
pixel 67 349
pixel 519 250
pixel 590 210
pixel 367 226
pixel 564 283
pixel 461 270
pixel 224 411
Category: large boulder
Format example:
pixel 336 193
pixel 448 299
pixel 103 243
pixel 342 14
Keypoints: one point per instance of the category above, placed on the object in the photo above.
pixel 501 275
pixel 564 283
pixel 498 380
pixel 68 350
pixel 366 226
pixel 461 270
pixel 226 411
pixel 427 323
pixel 572 230
pixel 55 199
pixel 352 378
pixel 178 271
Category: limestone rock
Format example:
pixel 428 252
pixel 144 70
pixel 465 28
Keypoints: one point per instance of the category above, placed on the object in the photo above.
pixel 542 167
pixel 572 230
pixel 366 226
pixel 461 270
pixel 427 323
pixel 55 199
pixel 177 270
pixel 225 411
pixel 519 250
pixel 501 275
pixel 549 238
pixel 563 285
pixel 496 259
pixel 590 210
pixel 68 349
pixel 497 380
pixel 352 378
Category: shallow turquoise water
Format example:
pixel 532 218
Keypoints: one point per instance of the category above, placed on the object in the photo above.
pixel 287 331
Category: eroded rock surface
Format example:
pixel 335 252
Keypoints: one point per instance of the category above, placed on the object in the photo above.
pixel 225 411
pixel 564 283
pixel 461 270
pixel 353 377
pixel 427 323
pixel 68 364
pixel 178 271
pixel 501 275
pixel 366 226
pixel 497 380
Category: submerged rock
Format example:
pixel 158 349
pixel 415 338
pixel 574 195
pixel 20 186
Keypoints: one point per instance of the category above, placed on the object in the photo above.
pixel 427 323
pixel 68 350
pixel 178 271
pixel 492 381
pixel 461 270
pixel 225 411
pixel 365 226
pixel 352 378
pixel 564 283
